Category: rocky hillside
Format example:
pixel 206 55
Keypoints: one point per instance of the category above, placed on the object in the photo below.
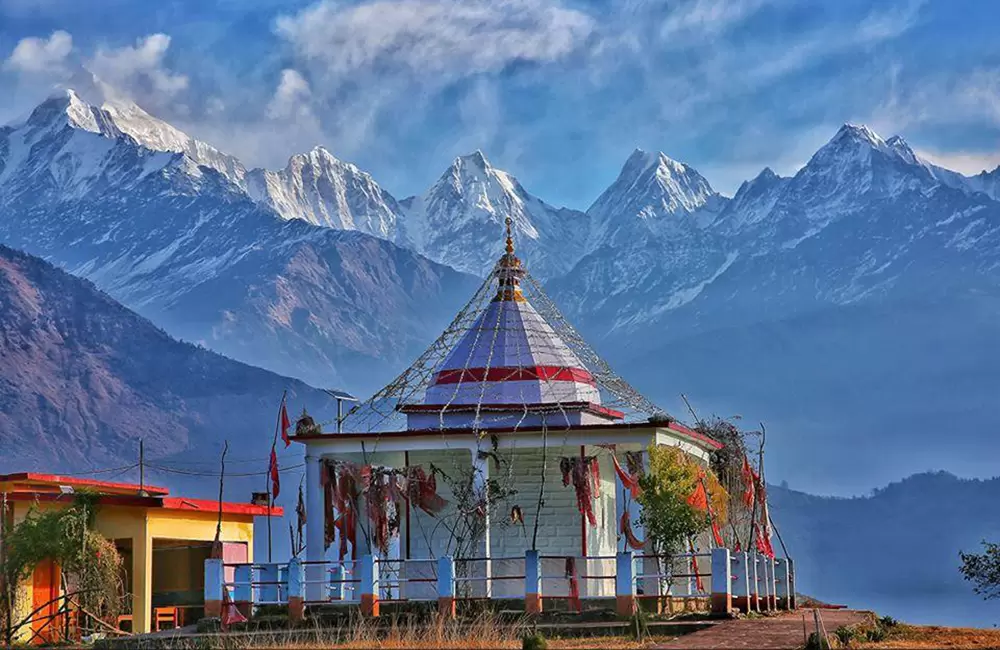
pixel 82 378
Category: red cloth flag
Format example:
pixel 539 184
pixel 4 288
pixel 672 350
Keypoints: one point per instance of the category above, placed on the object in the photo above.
pixel 285 424
pixel 629 481
pixel 625 527
pixel 699 498
pixel 230 613
pixel 275 479
pixel 719 543
pixel 764 533
pixel 694 569
pixel 574 585
pixel 750 480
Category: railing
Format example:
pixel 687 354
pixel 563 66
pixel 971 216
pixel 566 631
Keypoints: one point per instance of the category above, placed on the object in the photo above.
pixel 725 579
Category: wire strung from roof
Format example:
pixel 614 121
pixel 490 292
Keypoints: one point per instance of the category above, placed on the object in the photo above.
pixel 506 325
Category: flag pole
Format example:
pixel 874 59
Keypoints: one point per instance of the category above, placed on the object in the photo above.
pixel 274 446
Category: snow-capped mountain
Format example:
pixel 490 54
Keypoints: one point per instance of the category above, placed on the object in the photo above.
pixel 651 246
pixel 653 194
pixel 324 191
pixel 849 306
pixel 315 186
pixel 459 221
pixel 864 216
pixel 986 182
pixel 187 247
pixel 115 117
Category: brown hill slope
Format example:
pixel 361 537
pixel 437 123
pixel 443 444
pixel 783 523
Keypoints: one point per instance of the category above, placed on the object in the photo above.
pixel 82 377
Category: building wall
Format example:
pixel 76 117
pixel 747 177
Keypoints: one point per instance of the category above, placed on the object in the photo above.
pixel 141 526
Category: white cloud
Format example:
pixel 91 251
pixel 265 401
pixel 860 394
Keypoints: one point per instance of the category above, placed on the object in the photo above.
pixel 967 162
pixel 140 69
pixel 941 99
pixel 433 39
pixel 292 97
pixel 701 18
pixel 40 55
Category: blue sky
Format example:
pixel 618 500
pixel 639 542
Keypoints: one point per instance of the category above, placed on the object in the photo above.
pixel 556 91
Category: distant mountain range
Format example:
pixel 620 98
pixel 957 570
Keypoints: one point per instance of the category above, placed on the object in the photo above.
pixel 177 237
pixel 847 305
pixel 895 550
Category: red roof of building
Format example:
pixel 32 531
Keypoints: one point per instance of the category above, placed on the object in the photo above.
pixel 124 494
pixel 57 480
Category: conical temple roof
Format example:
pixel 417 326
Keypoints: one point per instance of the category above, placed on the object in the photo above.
pixel 508 360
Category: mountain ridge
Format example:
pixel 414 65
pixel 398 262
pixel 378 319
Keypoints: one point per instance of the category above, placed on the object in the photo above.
pixel 82 377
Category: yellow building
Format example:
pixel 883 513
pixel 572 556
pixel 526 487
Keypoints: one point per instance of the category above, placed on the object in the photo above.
pixel 164 542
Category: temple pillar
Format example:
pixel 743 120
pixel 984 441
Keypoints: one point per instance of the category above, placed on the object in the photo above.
pixel 482 568
pixel 315 529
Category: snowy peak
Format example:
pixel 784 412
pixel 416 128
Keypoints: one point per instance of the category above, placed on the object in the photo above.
pixel 657 186
pixel 116 118
pixel 653 194
pixel 902 149
pixel 754 200
pixel 858 133
pixel 319 188
pixel 471 191
pixel 459 221
pixel 158 135
pixel 857 141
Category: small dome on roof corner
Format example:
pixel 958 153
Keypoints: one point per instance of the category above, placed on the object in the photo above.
pixel 660 417
pixel 306 425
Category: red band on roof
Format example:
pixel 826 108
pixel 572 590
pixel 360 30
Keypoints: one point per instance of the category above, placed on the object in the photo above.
pixel 548 407
pixel 529 373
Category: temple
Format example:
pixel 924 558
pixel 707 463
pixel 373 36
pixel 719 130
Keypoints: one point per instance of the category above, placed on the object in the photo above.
pixel 509 434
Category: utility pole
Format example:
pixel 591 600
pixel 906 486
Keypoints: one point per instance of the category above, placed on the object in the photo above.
pixel 142 468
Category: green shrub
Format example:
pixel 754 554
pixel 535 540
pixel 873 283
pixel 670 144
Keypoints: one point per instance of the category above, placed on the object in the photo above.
pixel 876 634
pixel 888 622
pixel 534 641
pixel 817 642
pixel 639 625
pixel 845 634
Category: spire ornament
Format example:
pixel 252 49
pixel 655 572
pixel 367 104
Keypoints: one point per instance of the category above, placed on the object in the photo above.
pixel 508 269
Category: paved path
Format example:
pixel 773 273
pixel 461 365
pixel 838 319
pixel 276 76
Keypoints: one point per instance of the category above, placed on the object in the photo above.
pixel 782 632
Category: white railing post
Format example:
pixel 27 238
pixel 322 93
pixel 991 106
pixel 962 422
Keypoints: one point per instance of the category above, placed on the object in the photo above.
pixel 242 588
pixel 296 590
pixel 625 583
pixel 532 582
pixel 214 577
pixel 722 583
pixel 446 586
pixel 772 584
pixel 741 583
pixel 781 583
pixel 369 585
pixel 337 576
pixel 763 594
pixel 753 577
pixel 267 584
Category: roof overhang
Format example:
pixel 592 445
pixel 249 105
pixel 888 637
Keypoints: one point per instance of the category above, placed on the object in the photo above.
pixel 676 429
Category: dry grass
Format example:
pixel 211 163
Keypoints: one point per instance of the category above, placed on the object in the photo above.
pixel 483 633
pixel 933 636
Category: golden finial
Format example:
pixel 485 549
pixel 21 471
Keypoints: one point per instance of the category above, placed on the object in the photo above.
pixel 509 270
